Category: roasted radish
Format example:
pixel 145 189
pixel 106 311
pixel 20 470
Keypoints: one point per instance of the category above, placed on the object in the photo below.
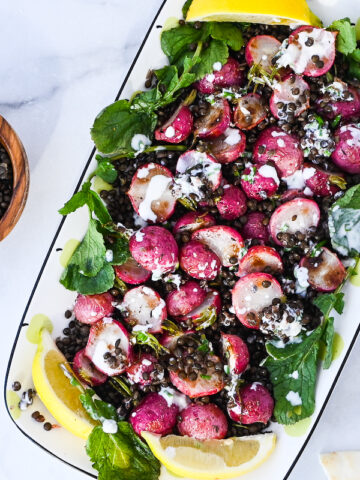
pixel 132 272
pixel 325 270
pixel 347 152
pixel 192 221
pixel 298 215
pixel 198 261
pixel 253 404
pixel 86 371
pixel 338 99
pixel 185 299
pixel 229 146
pixel 215 122
pixel 177 128
pixel 228 75
pixel 321 182
pixel 250 111
pixel 91 308
pixel 260 258
pixel 291 97
pixel 141 371
pixel 204 422
pixel 256 227
pixel 260 182
pixel 236 352
pixel 251 294
pixel 260 50
pixel 232 204
pixel 211 305
pixel 151 194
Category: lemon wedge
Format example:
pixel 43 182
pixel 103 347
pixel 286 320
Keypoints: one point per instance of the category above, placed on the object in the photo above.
pixel 211 459
pixel 271 12
pixel 55 391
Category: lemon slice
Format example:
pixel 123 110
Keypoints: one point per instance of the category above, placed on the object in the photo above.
pixel 211 459
pixel 272 12
pixel 55 391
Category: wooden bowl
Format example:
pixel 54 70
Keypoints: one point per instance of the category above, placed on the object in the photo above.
pixel 12 144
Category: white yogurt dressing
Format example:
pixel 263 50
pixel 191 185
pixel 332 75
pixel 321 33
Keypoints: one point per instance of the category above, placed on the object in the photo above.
pixel 293 398
pixel 155 189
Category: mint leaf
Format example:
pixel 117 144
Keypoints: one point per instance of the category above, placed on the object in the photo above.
pixel 354 68
pixel 227 32
pixel 328 301
pixel 344 223
pixel 105 170
pixel 346 38
pixel 73 280
pixel 121 455
pixel 293 375
pixel 217 51
pixel 328 339
pixel 115 126
pixel 79 199
pixel 89 255
pixel 97 409
pixel 175 42
pixel 120 251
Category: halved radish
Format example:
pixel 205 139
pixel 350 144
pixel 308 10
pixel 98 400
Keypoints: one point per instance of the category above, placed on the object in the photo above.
pixel 260 50
pixel 297 215
pixel 91 308
pixel 260 258
pixel 177 128
pixel 198 261
pixel 260 183
pixel 86 370
pixel 310 51
pixel 204 385
pixel 250 111
pixel 212 300
pixel 347 151
pixel 185 299
pixel 170 341
pixel 192 221
pixel 253 404
pixel 232 204
pixel 294 193
pixel 155 249
pixel 283 149
pixel 251 294
pixel 150 193
pixel 225 242
pixel 215 122
pixel 228 75
pixel 319 181
pixel 132 272
pixel 194 170
pixel 109 347
pixel 339 99
pixel 255 227
pixel 229 146
pixel 325 271
pixel 236 353
pixel 144 309
pixel 145 363
pixel 290 96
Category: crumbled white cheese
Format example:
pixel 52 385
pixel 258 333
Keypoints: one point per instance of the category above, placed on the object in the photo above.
pixel 268 171
pixel 293 398
pixel 217 66
pixel 109 426
pixel 232 136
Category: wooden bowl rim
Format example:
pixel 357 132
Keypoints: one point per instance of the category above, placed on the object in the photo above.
pixel 21 178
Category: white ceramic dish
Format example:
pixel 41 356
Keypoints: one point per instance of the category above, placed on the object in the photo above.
pixel 51 299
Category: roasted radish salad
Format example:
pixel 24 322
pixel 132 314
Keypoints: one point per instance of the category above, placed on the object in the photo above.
pixel 217 249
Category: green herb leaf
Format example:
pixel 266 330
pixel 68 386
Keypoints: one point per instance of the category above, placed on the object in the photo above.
pixel 227 32
pixel 346 38
pixel 328 339
pixel 204 346
pixel 217 51
pixel 186 7
pixel 145 338
pixel 207 318
pixel 105 170
pixel 116 125
pixel 121 455
pixel 73 280
pixel 78 200
pixel 120 250
pixel 328 301
pixel 97 409
pixel 282 365
pixel 344 223
pixel 175 42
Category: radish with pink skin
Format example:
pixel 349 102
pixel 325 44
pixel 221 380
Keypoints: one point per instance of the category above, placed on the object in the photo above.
pixel 347 151
pixel 236 352
pixel 232 203
pixel 312 60
pixel 204 165
pixel 177 128
pixel 287 91
pixel 170 341
pixel 260 258
pixel 204 422
pixel 154 415
pixel 319 181
pixel 86 371
pixel 211 301
pixel 155 249
pixel 260 182
pixel 260 50
pixel 251 294
pixel 150 193
pixel 144 364
pixel 229 75
pixel 203 386
pixel 346 107
pixel 294 193
pixel 192 221
pixel 297 215
pixel 103 336
pixel 229 146
pixel 254 228
pixel 225 242
pixel 215 122
pixel 198 261
pixel 91 308
pixel 132 272
pixel 325 271
pixel 144 309
pixel 250 111
pixel 253 404
pixel 283 149
pixel 185 299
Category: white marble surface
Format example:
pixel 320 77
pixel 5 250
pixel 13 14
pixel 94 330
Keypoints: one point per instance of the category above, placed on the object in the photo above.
pixel 60 63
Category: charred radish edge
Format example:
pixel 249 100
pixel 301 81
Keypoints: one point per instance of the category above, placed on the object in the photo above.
pixel 132 272
pixel 215 122
pixel 258 259
pixel 145 309
pixel 250 111
pixel 325 270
